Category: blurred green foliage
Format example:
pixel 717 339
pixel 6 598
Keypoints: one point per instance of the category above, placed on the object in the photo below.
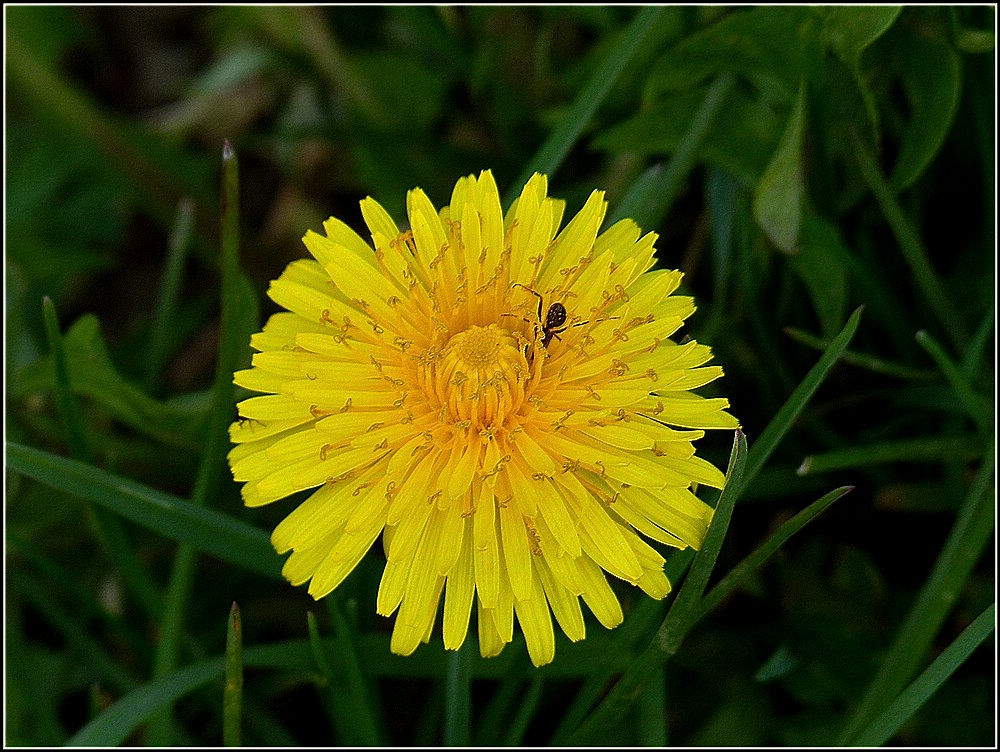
pixel 796 161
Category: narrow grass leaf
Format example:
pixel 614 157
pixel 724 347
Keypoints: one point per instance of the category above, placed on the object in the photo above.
pixel 561 140
pixel 864 360
pixel 169 293
pixel 755 560
pixel 909 701
pixel 959 555
pixel 232 693
pixel 525 712
pixel 233 336
pixel 94 657
pixel 214 533
pixel 924 449
pixel 683 613
pixel 113 726
pixel 977 407
pixel 66 404
pixel 631 639
pixel 973 357
pixel 772 436
pixel 348 697
pixel 108 527
pixel 613 708
pixel 911 246
pixel 652 194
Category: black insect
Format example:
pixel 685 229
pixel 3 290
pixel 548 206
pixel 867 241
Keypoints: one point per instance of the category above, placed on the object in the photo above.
pixel 554 322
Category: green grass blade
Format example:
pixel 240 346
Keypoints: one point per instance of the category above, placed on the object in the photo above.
pixel 771 436
pixel 914 696
pixel 69 412
pixel 561 140
pixel 612 710
pixel 158 174
pixel 458 697
pixel 166 301
pixel 627 642
pixel 911 246
pixel 114 725
pixel 926 450
pixel 755 560
pixel 232 693
pixel 973 357
pixel 977 407
pixel 649 199
pixel 961 550
pixel 94 656
pixel 346 691
pixel 525 712
pixel 232 345
pixel 214 533
pixel 864 360
pixel 683 613
pixel 108 527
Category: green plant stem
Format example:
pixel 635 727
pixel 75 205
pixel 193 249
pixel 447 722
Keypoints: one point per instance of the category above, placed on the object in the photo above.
pixel 458 697
pixel 970 533
pixel 232 693
pixel 561 140
pixel 209 476
pixel 911 246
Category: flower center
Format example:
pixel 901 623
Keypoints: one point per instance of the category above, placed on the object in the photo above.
pixel 480 376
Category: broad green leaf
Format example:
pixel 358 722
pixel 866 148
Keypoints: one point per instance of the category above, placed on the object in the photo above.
pixel 930 71
pixel 779 194
pixel 92 374
pixel 850 30
pixel 822 265
pixel 740 139
pixel 214 533
pixel 767 45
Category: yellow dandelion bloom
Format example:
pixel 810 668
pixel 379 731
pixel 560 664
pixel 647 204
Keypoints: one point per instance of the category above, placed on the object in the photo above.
pixel 499 400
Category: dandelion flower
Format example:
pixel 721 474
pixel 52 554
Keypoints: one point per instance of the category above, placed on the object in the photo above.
pixel 499 400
